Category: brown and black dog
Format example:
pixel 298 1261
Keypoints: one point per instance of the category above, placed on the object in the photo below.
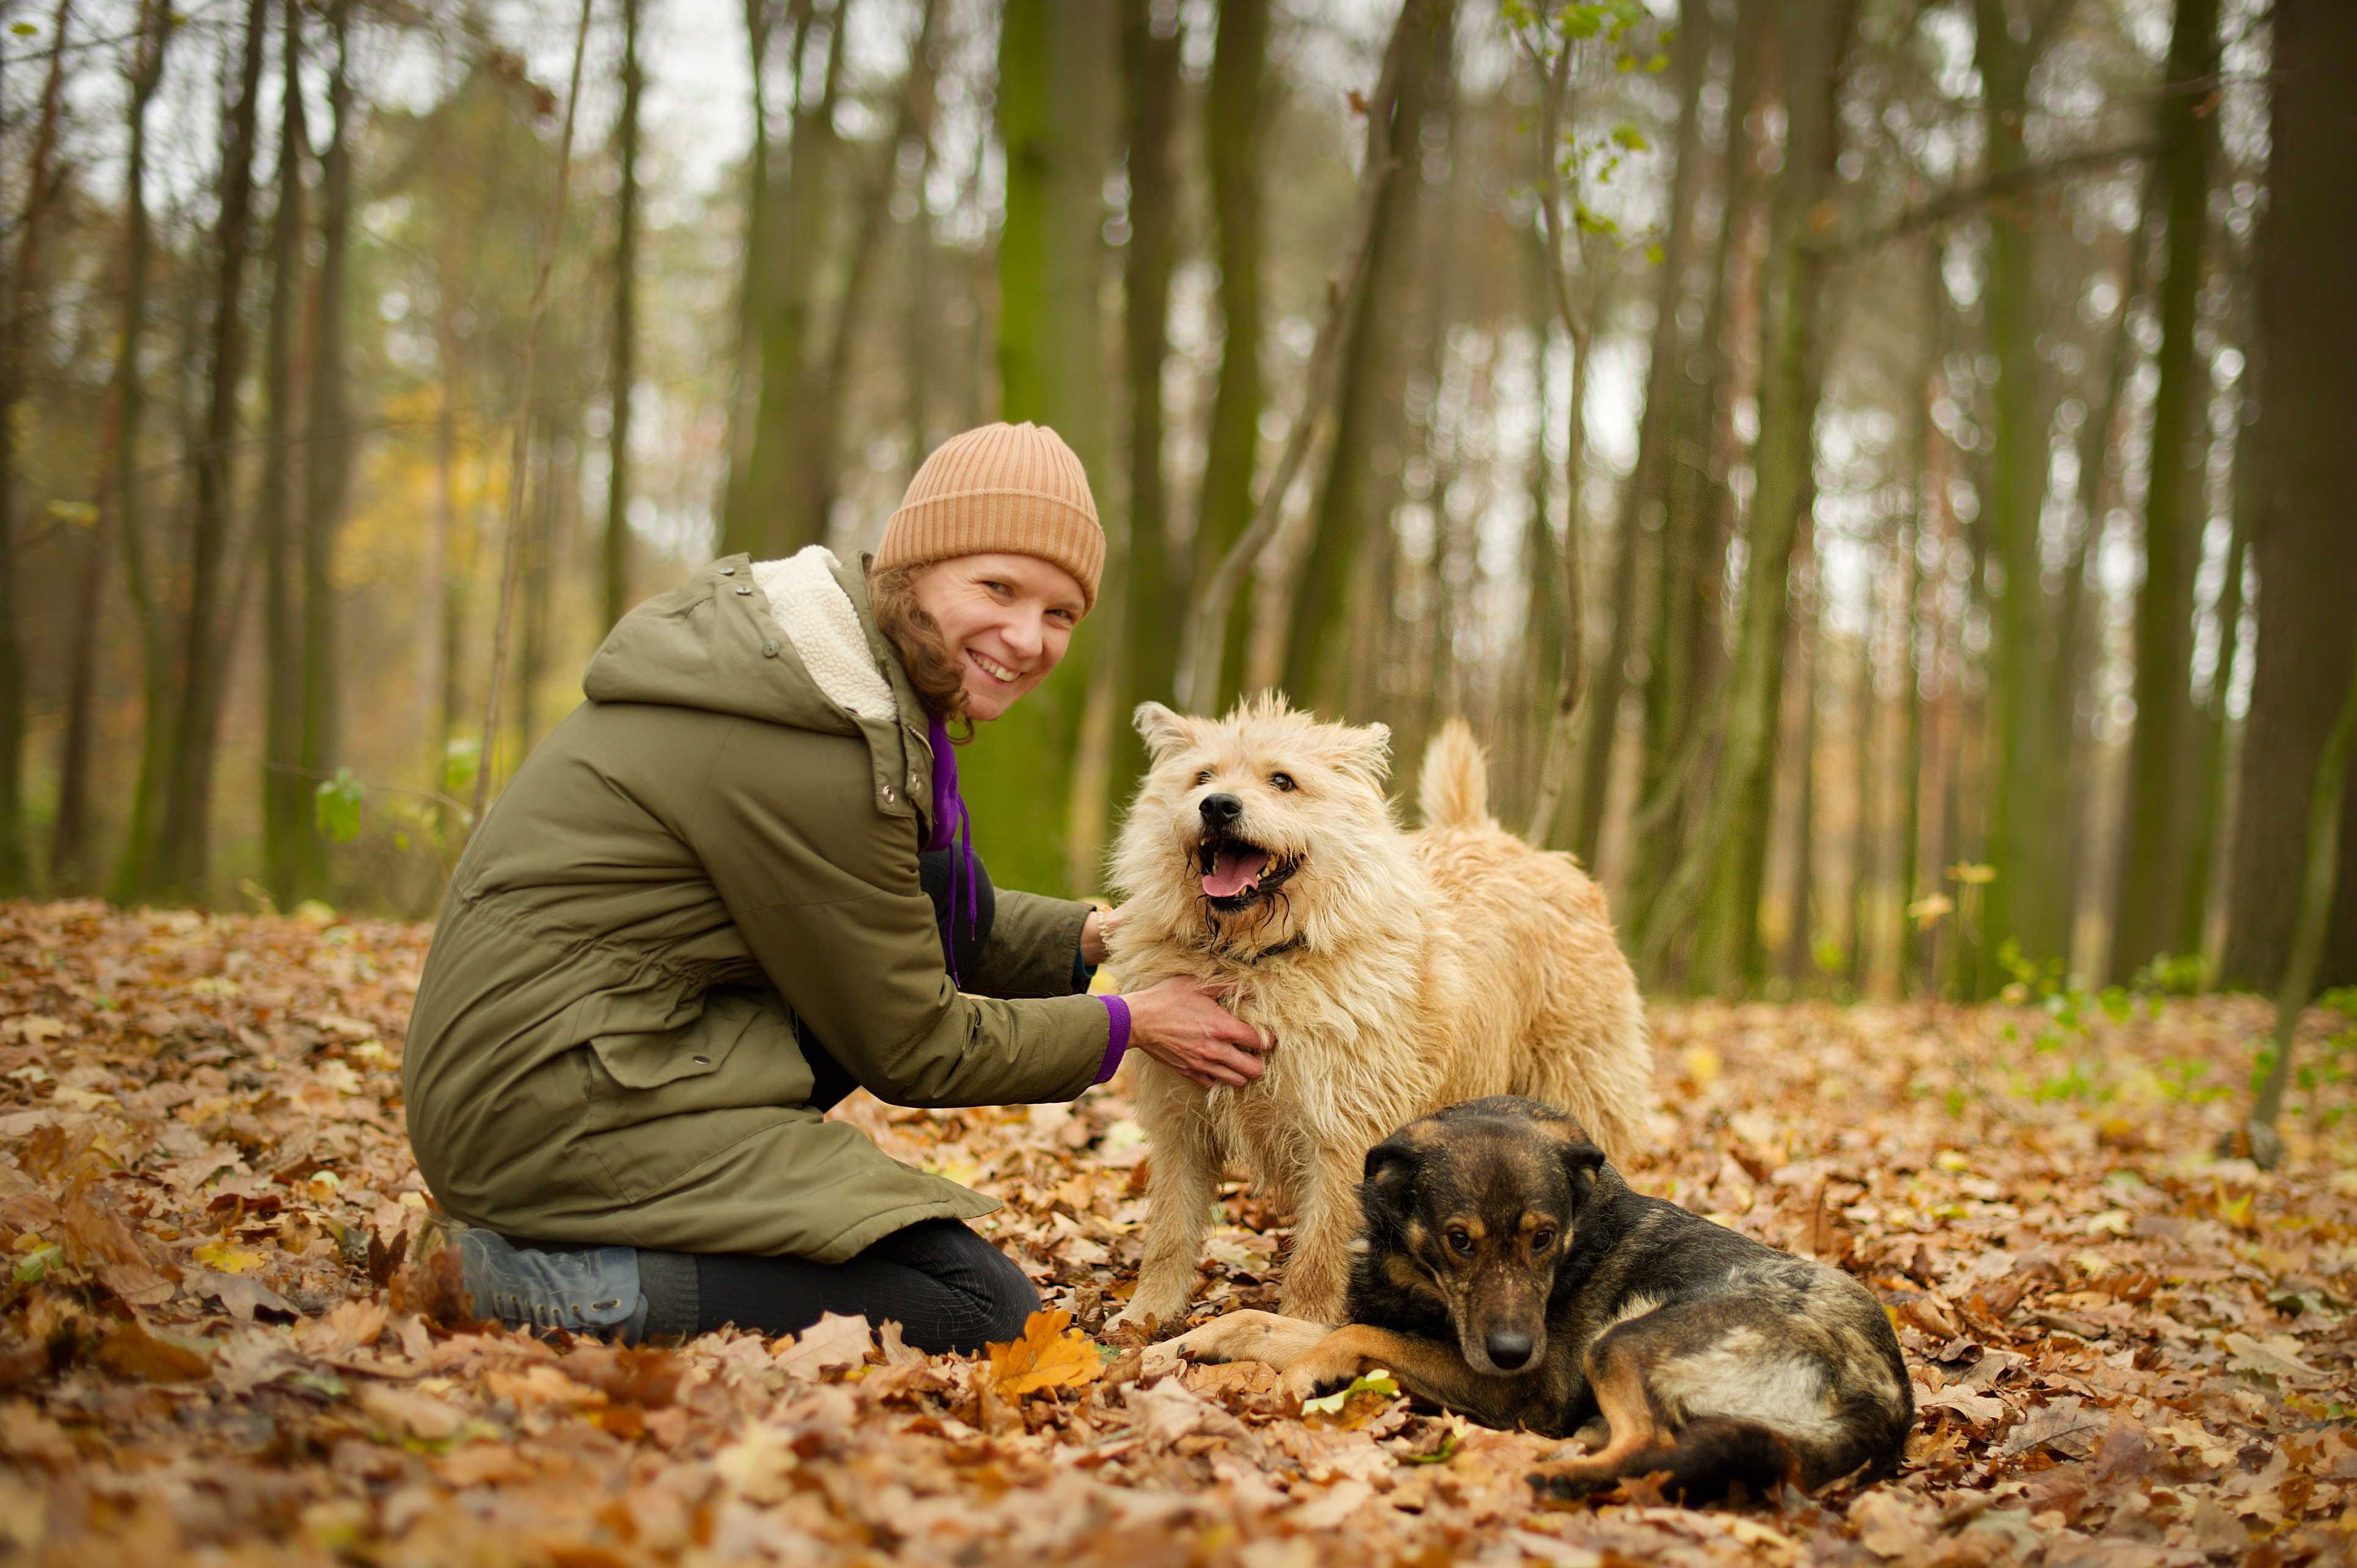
pixel 1508 1272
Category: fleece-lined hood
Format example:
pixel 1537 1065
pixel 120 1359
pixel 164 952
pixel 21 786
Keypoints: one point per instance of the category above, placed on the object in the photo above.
pixel 790 641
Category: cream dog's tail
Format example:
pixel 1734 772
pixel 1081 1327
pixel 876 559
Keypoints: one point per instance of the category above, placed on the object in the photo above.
pixel 1453 789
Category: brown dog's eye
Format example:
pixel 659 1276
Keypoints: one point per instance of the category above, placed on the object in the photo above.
pixel 1283 782
pixel 1204 776
pixel 1460 1242
pixel 1542 1240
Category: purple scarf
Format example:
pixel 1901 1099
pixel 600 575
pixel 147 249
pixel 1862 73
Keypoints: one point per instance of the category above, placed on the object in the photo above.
pixel 948 803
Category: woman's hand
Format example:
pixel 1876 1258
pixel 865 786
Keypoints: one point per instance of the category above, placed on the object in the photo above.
pixel 1181 1025
pixel 1094 932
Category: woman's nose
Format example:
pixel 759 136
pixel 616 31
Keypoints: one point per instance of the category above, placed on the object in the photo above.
pixel 1025 636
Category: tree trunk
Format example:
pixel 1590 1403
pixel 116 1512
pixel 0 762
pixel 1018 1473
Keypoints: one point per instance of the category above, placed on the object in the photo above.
pixel 1235 108
pixel 2215 723
pixel 2078 650
pixel 1715 856
pixel 741 532
pixel 1930 497
pixel 2157 815
pixel 283 793
pixel 1154 603
pixel 183 867
pixel 2024 842
pixel 797 243
pixel 16 309
pixel 2301 543
pixel 1689 617
pixel 614 558
pixel 1869 788
pixel 131 871
pixel 1056 63
pixel 327 464
pixel 1800 764
pixel 1641 530
pixel 1368 416
pixel 72 848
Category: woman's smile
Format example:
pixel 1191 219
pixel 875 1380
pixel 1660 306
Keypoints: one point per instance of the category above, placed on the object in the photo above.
pixel 993 668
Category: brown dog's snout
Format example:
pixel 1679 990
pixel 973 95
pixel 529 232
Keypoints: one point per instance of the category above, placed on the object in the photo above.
pixel 1510 1348
pixel 1221 811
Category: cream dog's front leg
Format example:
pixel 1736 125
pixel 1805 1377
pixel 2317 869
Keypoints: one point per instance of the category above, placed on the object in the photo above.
pixel 1317 1275
pixel 1185 1152
pixel 1245 1336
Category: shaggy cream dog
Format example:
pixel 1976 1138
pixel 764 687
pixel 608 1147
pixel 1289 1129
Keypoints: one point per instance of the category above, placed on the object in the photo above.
pixel 1398 972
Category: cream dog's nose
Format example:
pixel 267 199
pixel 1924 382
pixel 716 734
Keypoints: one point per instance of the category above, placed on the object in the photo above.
pixel 1221 811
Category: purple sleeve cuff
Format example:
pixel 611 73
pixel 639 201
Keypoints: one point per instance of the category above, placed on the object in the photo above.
pixel 1116 1035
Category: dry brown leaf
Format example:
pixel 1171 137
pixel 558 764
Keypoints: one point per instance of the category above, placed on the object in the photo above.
pixel 130 1351
pixel 347 1326
pixel 411 1413
pixel 833 1340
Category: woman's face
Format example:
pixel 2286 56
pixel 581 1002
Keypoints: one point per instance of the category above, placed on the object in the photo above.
pixel 1007 619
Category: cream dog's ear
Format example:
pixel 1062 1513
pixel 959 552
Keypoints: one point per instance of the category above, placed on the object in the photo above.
pixel 1365 750
pixel 1164 730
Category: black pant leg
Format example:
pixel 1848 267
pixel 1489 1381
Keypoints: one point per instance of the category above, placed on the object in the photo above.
pixel 948 1288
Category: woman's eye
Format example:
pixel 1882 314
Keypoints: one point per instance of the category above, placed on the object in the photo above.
pixel 1460 1243
pixel 1203 777
pixel 1283 782
pixel 1001 589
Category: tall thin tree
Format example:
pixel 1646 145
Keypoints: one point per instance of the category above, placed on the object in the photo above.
pixel 20 282
pixel 184 849
pixel 622 372
pixel 284 796
pixel 2162 791
pixel 1236 103
pixel 1152 608
pixel 328 444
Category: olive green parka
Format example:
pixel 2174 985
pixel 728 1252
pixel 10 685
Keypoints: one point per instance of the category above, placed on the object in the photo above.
pixel 718 843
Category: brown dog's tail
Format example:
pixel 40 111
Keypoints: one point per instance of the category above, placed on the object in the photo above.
pixel 1453 791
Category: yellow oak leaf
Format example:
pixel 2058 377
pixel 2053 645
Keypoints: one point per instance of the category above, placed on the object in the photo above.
pixel 229 1258
pixel 1047 1357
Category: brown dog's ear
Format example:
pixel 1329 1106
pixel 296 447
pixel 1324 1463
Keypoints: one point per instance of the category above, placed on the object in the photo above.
pixel 1581 1161
pixel 1164 730
pixel 1391 1172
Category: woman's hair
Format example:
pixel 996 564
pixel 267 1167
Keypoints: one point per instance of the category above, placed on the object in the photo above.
pixel 925 653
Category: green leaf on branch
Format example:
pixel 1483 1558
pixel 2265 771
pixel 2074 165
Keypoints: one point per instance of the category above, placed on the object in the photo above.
pixel 336 807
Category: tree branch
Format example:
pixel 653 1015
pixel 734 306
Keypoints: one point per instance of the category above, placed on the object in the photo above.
pixel 1957 203
pixel 1571 687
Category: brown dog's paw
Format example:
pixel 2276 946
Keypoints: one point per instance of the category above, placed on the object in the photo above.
pixel 1321 1371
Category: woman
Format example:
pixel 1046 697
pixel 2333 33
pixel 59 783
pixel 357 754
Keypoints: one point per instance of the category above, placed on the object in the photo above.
pixel 733 885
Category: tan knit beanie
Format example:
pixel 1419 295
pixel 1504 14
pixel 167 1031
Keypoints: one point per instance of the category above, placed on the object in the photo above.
pixel 1012 489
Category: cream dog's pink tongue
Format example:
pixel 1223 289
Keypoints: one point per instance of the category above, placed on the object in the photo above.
pixel 1233 870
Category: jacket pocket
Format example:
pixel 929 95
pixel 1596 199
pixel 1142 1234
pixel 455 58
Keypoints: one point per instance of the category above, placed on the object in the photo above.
pixel 653 1061
pixel 738 1051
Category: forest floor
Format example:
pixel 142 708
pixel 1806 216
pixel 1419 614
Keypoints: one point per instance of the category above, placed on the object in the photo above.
pixel 2124 1349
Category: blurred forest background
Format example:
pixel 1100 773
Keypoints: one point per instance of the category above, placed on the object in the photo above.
pixel 1930 426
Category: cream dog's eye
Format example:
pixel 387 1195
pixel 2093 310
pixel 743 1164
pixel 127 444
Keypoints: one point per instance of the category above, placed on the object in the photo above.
pixel 1204 776
pixel 1283 781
